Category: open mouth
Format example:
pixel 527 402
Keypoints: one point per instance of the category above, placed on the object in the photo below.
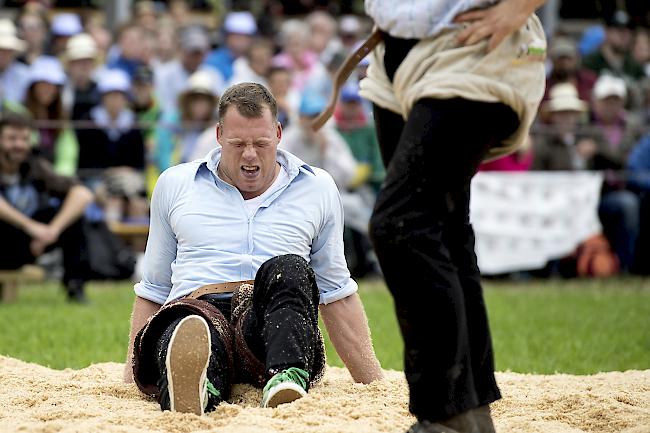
pixel 250 170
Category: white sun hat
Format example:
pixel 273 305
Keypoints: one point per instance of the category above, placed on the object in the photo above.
pixel 114 80
pixel 47 69
pixel 607 85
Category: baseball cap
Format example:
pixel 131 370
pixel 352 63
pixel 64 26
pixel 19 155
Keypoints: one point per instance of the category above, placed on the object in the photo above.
pixel 46 69
pixel 349 25
pixel 311 104
pixel 350 93
pixel 194 39
pixel 607 85
pixel 114 80
pixel 563 47
pixel 241 23
pixel 619 19
pixel 143 74
pixel 66 24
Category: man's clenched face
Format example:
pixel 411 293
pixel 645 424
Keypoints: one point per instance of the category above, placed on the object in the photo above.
pixel 248 156
pixel 14 146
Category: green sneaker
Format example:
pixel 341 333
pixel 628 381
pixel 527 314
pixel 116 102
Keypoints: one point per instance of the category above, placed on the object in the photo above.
pixel 285 387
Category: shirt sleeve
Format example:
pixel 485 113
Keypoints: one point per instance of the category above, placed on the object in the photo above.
pixel 54 184
pixel 160 253
pixel 327 255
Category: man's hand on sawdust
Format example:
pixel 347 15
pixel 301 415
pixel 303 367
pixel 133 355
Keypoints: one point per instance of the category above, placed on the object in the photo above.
pixel 494 23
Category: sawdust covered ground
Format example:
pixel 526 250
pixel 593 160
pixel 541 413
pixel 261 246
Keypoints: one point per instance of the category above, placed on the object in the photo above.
pixel 37 399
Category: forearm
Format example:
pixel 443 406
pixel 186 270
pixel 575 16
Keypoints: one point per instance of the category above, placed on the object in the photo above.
pixel 76 201
pixel 348 330
pixel 13 216
pixel 143 309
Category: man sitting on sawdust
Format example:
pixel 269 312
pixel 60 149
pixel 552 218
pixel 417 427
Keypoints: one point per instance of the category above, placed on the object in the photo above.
pixel 243 247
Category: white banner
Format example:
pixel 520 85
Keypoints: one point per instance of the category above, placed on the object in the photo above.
pixel 524 219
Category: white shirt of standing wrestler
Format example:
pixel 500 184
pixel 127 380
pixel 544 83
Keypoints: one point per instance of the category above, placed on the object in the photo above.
pixel 421 18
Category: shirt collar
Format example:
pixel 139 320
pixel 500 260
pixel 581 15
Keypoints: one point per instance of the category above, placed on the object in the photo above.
pixel 291 163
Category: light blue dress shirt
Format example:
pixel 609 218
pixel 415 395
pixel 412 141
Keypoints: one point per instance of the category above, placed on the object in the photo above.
pixel 419 19
pixel 201 233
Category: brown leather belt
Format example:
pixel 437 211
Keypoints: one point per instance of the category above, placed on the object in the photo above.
pixel 218 288
pixel 342 75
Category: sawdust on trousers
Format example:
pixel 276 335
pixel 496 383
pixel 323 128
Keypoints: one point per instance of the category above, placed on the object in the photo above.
pixel 34 398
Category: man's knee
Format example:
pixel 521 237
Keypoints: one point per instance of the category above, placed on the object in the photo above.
pixel 286 272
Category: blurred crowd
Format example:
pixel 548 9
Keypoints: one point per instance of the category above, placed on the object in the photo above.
pixel 117 106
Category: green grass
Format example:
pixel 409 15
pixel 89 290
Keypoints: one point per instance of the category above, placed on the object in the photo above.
pixel 542 327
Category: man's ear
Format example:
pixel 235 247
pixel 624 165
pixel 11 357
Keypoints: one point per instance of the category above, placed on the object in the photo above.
pixel 279 131
pixel 218 132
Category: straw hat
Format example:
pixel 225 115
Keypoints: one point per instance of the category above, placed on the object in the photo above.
pixel 200 82
pixel 81 46
pixel 8 38
pixel 564 97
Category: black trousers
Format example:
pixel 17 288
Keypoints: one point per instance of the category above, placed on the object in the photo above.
pixel 72 242
pixel 281 329
pixel 425 244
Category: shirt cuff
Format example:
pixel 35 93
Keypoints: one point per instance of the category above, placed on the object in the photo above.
pixel 150 292
pixel 342 292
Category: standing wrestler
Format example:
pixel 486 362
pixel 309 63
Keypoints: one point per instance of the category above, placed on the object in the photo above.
pixel 453 83
pixel 258 221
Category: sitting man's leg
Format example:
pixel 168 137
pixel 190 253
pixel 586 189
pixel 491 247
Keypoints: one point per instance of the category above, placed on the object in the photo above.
pixel 16 252
pixel 183 357
pixel 281 330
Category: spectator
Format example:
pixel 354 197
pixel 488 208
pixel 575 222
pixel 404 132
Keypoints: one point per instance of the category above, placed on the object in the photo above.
pixel 638 166
pixel 166 47
pixel 279 80
pixel 116 146
pixel 619 129
pixel 239 28
pixel 128 54
pixel 359 134
pixel 350 32
pixel 146 106
pixel 115 141
pixel 641 50
pixel 56 141
pixel 171 79
pixel 521 160
pixel 324 148
pixel 13 74
pixel 328 150
pixel 34 30
pixel 324 39
pixel 80 94
pixel 614 55
pixel 63 27
pixel 306 69
pixel 255 65
pixel 564 147
pixel 177 137
pixel 566 68
pixel 38 208
pixel 146 16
